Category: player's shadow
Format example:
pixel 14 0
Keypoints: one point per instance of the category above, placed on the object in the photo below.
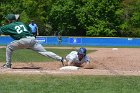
pixel 26 67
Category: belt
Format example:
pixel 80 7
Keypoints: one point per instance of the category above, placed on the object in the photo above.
pixel 31 37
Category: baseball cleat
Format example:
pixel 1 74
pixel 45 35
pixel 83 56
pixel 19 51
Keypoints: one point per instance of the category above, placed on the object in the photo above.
pixel 6 66
pixel 63 60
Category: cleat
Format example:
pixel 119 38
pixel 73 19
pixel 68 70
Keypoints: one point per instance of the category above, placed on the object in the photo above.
pixel 62 61
pixel 6 66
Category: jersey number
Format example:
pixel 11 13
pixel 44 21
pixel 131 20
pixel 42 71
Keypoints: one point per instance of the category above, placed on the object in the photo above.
pixel 20 29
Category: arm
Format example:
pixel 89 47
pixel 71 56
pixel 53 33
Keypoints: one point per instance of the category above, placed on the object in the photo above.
pixel 87 64
pixel 70 58
pixel 69 63
pixel 1 30
pixel 1 33
pixel 4 30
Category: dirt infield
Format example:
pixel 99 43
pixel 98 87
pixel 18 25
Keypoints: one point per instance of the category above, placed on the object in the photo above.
pixel 105 61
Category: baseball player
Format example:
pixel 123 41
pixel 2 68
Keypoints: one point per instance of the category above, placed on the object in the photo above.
pixel 77 58
pixel 23 39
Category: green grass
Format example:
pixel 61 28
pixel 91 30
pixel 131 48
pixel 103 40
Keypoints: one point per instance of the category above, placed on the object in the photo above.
pixel 26 55
pixel 68 84
pixel 31 83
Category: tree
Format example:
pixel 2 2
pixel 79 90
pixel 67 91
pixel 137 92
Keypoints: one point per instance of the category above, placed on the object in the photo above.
pixel 131 18
pixel 99 18
pixel 62 17
pixel 78 17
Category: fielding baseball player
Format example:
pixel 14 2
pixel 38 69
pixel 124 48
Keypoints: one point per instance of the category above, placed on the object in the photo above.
pixel 77 58
pixel 23 38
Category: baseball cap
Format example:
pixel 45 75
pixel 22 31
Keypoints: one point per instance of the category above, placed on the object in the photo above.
pixel 12 16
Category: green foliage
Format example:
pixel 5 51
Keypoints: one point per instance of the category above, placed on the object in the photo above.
pixel 99 17
pixel 99 29
pixel 85 17
pixel 131 18
pixel 24 17
pixel 62 17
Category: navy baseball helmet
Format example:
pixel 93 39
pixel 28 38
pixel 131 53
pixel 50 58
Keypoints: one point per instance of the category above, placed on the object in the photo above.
pixel 82 51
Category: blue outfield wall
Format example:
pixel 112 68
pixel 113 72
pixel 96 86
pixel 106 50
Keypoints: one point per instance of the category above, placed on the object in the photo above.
pixel 80 41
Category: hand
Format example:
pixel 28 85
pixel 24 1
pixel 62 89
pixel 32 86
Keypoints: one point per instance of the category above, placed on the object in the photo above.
pixel 88 66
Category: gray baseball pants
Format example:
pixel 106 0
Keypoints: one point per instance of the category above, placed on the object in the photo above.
pixel 28 43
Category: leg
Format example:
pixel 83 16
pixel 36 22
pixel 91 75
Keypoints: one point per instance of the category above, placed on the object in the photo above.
pixel 9 50
pixel 19 44
pixel 40 49
pixel 35 34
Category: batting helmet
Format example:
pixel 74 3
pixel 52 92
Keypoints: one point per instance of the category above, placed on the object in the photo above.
pixel 82 51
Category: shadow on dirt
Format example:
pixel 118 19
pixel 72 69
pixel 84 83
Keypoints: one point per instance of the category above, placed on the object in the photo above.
pixel 26 68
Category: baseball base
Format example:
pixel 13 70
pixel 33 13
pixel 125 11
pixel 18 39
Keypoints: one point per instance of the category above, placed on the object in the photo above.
pixel 114 49
pixel 69 68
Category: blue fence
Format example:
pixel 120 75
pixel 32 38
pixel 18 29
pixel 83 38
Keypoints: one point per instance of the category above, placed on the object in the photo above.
pixel 80 41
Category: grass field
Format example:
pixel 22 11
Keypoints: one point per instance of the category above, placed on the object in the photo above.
pixel 31 56
pixel 68 84
pixel 31 83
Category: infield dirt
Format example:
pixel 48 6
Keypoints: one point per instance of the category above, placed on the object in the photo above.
pixel 105 61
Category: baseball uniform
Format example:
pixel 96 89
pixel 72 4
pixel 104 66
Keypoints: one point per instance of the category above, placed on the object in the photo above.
pixel 23 38
pixel 73 57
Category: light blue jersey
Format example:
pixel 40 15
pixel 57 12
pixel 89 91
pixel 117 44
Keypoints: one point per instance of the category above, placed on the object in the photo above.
pixel 33 27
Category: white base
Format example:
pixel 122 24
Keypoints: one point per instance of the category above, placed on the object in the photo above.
pixel 114 49
pixel 69 68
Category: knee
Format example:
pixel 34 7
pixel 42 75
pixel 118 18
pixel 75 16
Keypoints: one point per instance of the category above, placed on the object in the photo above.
pixel 10 47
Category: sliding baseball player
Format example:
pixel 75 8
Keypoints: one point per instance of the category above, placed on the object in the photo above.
pixel 78 58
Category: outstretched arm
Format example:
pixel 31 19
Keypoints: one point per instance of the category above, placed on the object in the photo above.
pixel 69 63
pixel 88 65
